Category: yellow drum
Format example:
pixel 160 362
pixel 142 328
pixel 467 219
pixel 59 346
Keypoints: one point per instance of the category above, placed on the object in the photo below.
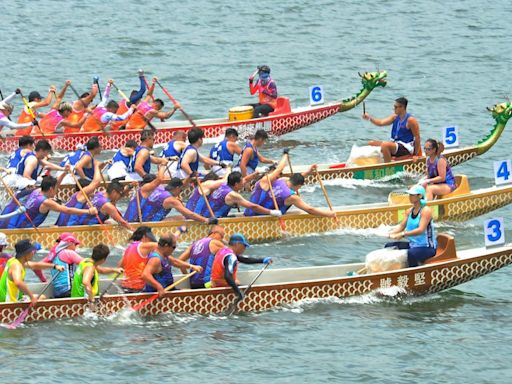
pixel 243 112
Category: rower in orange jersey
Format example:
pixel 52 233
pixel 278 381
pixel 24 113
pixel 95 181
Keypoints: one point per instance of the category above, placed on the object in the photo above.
pixel 146 111
pixel 80 107
pixel 124 104
pixel 35 101
pixel 56 121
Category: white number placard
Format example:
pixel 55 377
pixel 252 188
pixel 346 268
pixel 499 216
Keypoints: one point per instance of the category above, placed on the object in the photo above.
pixel 494 232
pixel 316 94
pixel 450 137
pixel 502 172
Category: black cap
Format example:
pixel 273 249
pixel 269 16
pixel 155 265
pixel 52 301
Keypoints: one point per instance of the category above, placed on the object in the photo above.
pixel 34 95
pixel 23 247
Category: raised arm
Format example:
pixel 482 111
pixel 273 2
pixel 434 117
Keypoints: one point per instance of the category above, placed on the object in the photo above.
pixel 46 102
pixel 379 122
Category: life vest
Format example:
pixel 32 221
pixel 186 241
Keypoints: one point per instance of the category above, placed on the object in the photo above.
pixel 399 131
pixel 4 257
pixel 93 123
pixel 25 117
pixel 78 286
pixel 264 198
pixel 147 163
pixel 200 255
pixel 263 98
pixel 116 125
pixel 9 292
pixel 14 158
pixel 74 117
pixel 133 264
pixel 48 124
pixel 20 168
pixel 63 281
pixel 138 119
pixel 194 166
pixel 73 158
pixel 217 277
pixel 164 277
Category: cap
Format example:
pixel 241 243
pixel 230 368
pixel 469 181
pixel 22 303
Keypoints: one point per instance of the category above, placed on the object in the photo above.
pixel 238 238
pixel 68 238
pixel 417 190
pixel 34 95
pixel 3 239
pixel 23 247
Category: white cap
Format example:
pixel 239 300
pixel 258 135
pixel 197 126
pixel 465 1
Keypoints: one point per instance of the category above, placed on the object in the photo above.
pixel 3 239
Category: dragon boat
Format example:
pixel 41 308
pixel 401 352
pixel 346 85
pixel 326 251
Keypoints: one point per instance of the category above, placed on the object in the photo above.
pixel 460 205
pixel 277 287
pixel 500 112
pixel 283 120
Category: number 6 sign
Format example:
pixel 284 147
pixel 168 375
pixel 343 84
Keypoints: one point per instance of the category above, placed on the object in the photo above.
pixel 494 232
pixel 316 95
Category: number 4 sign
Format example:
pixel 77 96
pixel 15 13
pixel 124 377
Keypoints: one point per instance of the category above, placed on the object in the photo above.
pixel 502 172
pixel 316 95
pixel 494 232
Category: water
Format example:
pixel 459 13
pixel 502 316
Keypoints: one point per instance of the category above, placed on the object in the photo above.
pixel 451 59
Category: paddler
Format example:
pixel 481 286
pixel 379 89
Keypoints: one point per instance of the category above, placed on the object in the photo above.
pixel 12 281
pixel 174 149
pixel 56 121
pixel 418 227
pixel 142 158
pixel 80 106
pixel 82 161
pixel 157 273
pixel 190 157
pixel 35 101
pixel 122 160
pixel 250 156
pixel 440 180
pixel 38 202
pixel 4 257
pixel 25 145
pixel 6 109
pixel 225 263
pixel 285 191
pixel 267 92
pixel 124 104
pixel 157 201
pixel 85 279
pixel 105 112
pixel 405 133
pixel 225 151
pixel 148 109
pixel 202 252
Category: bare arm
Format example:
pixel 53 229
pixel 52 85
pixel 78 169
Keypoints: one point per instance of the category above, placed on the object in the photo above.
pixel 235 198
pixel 207 160
pixel 380 122
pixel 246 157
pixel 264 159
pixel 299 203
pixel 111 210
pixel 86 281
pixel 185 256
pixel 143 155
pixel 172 202
pixel 46 102
pixel 30 166
pixel 52 205
pixel 400 227
pixel 85 161
pixel 414 126
pixel 234 148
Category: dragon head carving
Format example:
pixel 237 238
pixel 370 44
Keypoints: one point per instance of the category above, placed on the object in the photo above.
pixel 372 80
pixel 501 112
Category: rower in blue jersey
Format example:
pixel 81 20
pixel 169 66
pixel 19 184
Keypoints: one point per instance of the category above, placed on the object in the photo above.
pixel 225 150
pixel 174 149
pixel 31 164
pixel 142 159
pixel 25 145
pixel 118 169
pixel 157 201
pixel 405 132
pixel 284 190
pixel 190 157
pixel 38 203
pixel 82 160
pixel 250 156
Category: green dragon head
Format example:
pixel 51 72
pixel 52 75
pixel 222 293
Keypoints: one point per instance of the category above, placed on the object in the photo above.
pixel 501 112
pixel 372 80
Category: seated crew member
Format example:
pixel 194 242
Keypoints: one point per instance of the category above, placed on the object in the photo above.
pixel 418 227
pixel 210 182
pixel 146 111
pixel 202 252
pixel 267 92
pixel 25 145
pixel 6 109
pixel 190 157
pixel 79 108
pixel 124 104
pixel 285 192
pixel 105 112
pixel 4 257
pixel 85 279
pixel 157 273
pixel 440 180
pixel 82 160
pixel 225 150
pixel 135 257
pixel 35 101
pixel 118 169
pixel 225 263
pixel 12 281
pixel 226 197
pixel 56 121
pixel 174 148
pixel 142 157
pixel 38 202
pixel 250 156
pixel 405 133
pixel 157 201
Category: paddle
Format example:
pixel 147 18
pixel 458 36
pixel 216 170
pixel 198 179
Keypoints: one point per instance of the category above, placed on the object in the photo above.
pixel 13 196
pixel 276 206
pixel 139 306
pixel 31 112
pixel 96 80
pixel 108 287
pixel 176 103
pixel 21 318
pixel 325 194
pixel 139 210
pixel 291 169
pixel 200 186
pixel 127 99
pixel 233 306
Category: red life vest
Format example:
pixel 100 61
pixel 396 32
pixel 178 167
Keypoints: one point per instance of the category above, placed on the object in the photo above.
pixel 218 269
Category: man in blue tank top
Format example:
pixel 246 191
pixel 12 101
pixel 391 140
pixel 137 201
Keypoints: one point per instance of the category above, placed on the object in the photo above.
pixel 118 169
pixel 250 156
pixel 224 151
pixel 25 146
pixel 405 133
pixel 142 158
pixel 174 149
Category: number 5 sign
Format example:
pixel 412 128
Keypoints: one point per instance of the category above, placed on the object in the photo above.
pixel 494 232
pixel 316 95
pixel 450 137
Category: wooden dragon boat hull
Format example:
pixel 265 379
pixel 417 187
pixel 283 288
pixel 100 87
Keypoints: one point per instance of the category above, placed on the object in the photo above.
pixel 277 124
pixel 500 112
pixel 266 228
pixel 278 287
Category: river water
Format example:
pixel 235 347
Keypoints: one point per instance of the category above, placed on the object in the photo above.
pixel 451 59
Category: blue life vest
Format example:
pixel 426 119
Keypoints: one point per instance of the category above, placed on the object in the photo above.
pixel 147 163
pixel 73 158
pixel 14 158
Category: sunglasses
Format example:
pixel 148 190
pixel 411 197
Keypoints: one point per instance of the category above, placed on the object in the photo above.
pixel 428 148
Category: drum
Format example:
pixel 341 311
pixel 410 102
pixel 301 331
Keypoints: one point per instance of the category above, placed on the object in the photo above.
pixel 243 112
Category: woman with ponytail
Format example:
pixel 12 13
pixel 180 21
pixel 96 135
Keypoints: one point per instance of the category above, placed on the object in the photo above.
pixel 440 180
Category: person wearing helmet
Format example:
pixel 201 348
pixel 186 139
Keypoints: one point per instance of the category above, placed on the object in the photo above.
pixel 267 92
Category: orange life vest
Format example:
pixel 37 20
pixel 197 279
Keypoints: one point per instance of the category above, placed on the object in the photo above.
pixel 116 125
pixel 217 277
pixel 25 117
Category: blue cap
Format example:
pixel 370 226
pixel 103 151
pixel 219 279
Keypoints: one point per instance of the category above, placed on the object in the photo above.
pixel 238 238
pixel 418 190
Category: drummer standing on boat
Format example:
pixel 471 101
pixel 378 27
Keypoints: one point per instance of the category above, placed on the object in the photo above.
pixel 405 133
pixel 267 92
